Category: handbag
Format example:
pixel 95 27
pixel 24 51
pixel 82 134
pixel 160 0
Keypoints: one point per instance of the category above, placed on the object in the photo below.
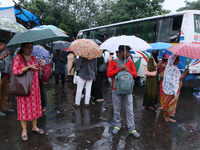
pixel 149 73
pixel 103 67
pixel 161 75
pixel 21 84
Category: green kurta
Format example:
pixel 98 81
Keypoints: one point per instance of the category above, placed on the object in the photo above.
pixel 151 94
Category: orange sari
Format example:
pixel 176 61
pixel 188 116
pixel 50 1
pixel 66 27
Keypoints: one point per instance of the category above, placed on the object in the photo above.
pixel 170 102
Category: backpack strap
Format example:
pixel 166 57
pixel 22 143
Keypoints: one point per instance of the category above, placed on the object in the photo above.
pixel 119 62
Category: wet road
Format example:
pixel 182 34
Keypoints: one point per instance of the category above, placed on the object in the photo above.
pixel 69 128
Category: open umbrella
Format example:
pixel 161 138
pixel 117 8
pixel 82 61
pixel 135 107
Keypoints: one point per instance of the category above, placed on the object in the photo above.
pixel 134 42
pixel 60 45
pixel 51 27
pixel 160 46
pixel 9 28
pixel 191 50
pixel 37 36
pixel 39 52
pixel 86 48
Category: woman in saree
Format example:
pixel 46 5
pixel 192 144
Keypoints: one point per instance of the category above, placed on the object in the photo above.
pixel 151 94
pixel 161 69
pixel 172 83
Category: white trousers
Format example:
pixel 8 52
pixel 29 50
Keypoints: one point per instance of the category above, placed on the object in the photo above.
pixel 80 85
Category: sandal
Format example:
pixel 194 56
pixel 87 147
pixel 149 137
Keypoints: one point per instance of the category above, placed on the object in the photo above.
pixel 40 132
pixel 86 105
pixel 56 93
pixel 10 110
pixel 76 105
pixel 171 120
pixel 100 100
pixel 24 137
pixel 2 114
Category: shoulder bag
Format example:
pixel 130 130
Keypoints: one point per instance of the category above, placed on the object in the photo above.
pixel 21 84
pixel 149 73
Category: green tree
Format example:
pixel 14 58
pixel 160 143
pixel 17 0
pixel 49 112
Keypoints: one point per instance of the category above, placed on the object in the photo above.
pixel 191 6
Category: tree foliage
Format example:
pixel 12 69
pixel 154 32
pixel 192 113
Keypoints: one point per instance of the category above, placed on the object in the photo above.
pixel 191 6
pixel 74 15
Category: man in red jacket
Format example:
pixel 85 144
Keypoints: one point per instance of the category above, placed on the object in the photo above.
pixel 112 71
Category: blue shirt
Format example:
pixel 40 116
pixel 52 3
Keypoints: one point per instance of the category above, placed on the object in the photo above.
pixel 59 64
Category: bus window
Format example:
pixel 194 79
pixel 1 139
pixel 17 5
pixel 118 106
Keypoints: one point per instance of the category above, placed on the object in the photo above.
pixel 164 31
pixel 176 29
pixel 118 31
pixel 91 35
pixel 197 24
pixel 146 30
pixel 129 29
pixel 112 31
pixel 85 33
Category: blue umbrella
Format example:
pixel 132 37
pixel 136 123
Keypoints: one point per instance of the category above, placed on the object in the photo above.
pixel 160 46
pixel 39 52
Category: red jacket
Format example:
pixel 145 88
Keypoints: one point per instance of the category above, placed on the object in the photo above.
pixel 113 70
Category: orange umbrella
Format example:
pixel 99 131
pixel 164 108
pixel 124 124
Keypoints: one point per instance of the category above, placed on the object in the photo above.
pixel 85 48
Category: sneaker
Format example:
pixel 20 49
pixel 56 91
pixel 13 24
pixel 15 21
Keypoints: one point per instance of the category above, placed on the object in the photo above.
pixel 134 133
pixel 115 130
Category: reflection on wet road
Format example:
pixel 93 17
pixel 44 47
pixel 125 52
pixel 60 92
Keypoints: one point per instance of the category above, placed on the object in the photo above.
pixel 69 128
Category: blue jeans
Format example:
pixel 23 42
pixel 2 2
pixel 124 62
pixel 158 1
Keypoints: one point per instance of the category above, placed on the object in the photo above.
pixel 128 103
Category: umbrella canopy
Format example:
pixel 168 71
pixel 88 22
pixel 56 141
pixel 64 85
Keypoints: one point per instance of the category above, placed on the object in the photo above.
pixel 85 48
pixel 37 36
pixel 160 46
pixel 191 50
pixel 51 27
pixel 9 28
pixel 68 50
pixel 60 45
pixel 134 42
pixel 39 52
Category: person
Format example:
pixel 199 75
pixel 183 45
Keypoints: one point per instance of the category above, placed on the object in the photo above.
pixel 150 98
pixel 59 59
pixel 172 83
pixel 96 92
pixel 28 107
pixel 161 69
pixel 86 74
pixel 112 71
pixel 4 83
pixel 110 57
pixel 70 58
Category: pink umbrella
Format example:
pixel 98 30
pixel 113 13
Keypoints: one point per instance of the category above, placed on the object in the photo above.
pixel 191 50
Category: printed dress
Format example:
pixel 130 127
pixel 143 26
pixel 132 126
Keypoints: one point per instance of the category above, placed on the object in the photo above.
pixel 28 107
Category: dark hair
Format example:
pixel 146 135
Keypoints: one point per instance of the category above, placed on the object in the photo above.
pixel 23 45
pixel 3 41
pixel 111 53
pixel 121 48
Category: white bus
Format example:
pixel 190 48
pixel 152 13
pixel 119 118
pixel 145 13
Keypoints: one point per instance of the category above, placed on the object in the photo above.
pixel 183 26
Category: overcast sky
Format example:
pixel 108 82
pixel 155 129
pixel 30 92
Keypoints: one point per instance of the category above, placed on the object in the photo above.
pixel 172 5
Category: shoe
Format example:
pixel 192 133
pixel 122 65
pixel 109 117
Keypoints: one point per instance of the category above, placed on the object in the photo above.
pixel 39 132
pixel 10 110
pixel 115 130
pixel 2 114
pixel 134 133
pixel 23 137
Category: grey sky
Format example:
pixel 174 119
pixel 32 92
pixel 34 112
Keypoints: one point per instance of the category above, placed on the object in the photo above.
pixel 172 5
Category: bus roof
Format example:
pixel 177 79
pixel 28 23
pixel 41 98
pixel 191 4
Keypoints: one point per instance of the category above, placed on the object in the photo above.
pixel 147 18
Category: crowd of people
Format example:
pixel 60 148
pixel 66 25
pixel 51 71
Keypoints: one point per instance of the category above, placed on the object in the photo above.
pixel 87 75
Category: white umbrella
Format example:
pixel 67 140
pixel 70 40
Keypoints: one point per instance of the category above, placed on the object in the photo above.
pixel 134 42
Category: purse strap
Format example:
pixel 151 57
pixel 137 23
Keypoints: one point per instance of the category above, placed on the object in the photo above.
pixel 24 60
